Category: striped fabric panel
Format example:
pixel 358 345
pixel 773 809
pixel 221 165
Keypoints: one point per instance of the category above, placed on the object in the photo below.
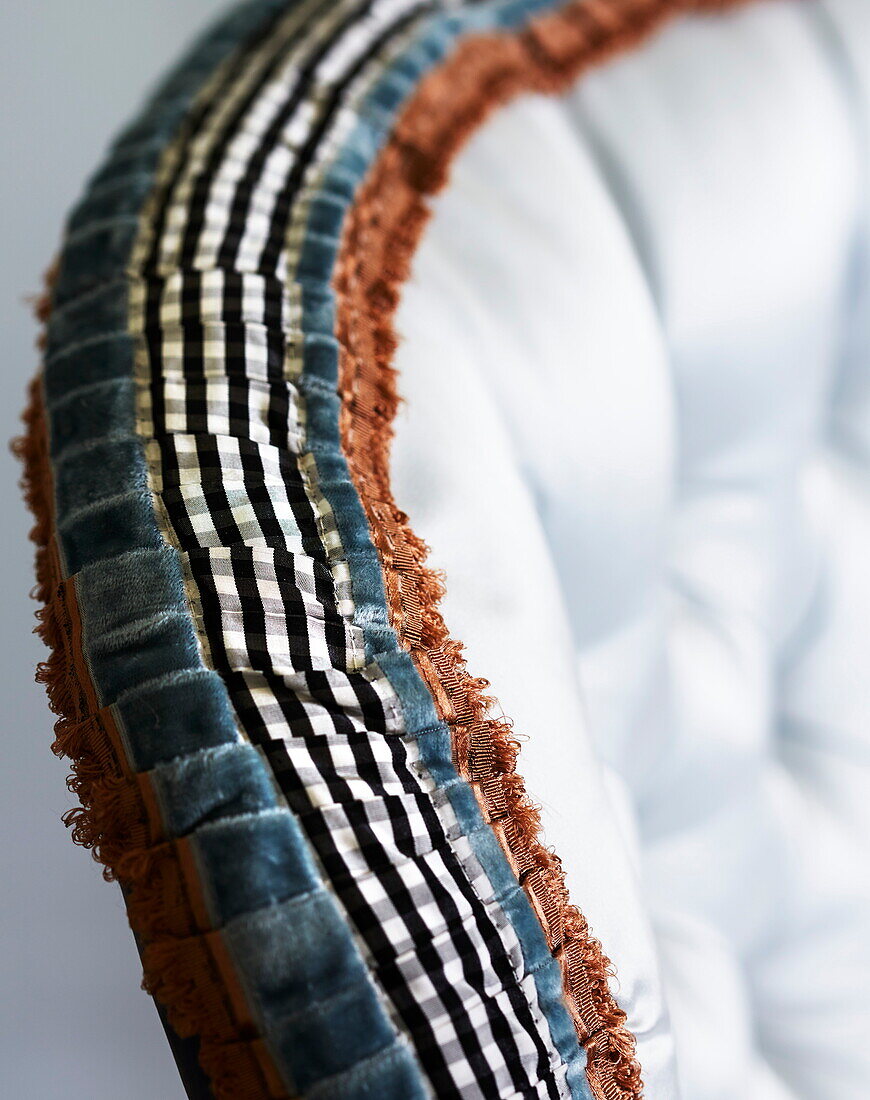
pixel 226 317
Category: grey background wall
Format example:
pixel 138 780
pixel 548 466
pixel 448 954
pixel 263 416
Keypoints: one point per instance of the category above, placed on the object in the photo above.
pixel 73 1022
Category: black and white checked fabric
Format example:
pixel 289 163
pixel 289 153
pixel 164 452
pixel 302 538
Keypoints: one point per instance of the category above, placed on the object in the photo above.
pixel 215 308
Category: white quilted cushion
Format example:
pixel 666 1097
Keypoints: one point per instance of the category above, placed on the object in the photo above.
pixel 636 360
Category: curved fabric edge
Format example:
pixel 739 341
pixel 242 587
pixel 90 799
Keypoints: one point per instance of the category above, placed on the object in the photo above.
pixel 222 890
pixel 129 674
pixel 380 233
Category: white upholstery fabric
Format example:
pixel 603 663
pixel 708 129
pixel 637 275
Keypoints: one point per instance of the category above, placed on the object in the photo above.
pixel 636 363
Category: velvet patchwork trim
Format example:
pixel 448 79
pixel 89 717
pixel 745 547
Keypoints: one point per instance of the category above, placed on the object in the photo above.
pixel 255 935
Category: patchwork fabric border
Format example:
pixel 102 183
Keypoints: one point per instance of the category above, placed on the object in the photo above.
pixel 328 858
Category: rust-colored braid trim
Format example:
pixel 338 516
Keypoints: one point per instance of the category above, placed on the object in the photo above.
pixel 381 234
pixel 185 964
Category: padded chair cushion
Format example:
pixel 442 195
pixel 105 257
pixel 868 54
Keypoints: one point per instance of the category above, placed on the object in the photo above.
pixel 637 447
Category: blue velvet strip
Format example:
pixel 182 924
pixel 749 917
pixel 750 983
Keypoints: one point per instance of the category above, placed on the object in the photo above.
pixel 295 956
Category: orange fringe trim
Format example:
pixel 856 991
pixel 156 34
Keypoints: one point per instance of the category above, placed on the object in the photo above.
pixel 185 964
pixel 381 234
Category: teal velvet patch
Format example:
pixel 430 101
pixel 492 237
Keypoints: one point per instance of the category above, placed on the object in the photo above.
pixel 293 949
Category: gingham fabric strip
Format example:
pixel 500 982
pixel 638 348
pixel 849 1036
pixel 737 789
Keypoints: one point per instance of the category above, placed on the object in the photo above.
pixel 229 300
